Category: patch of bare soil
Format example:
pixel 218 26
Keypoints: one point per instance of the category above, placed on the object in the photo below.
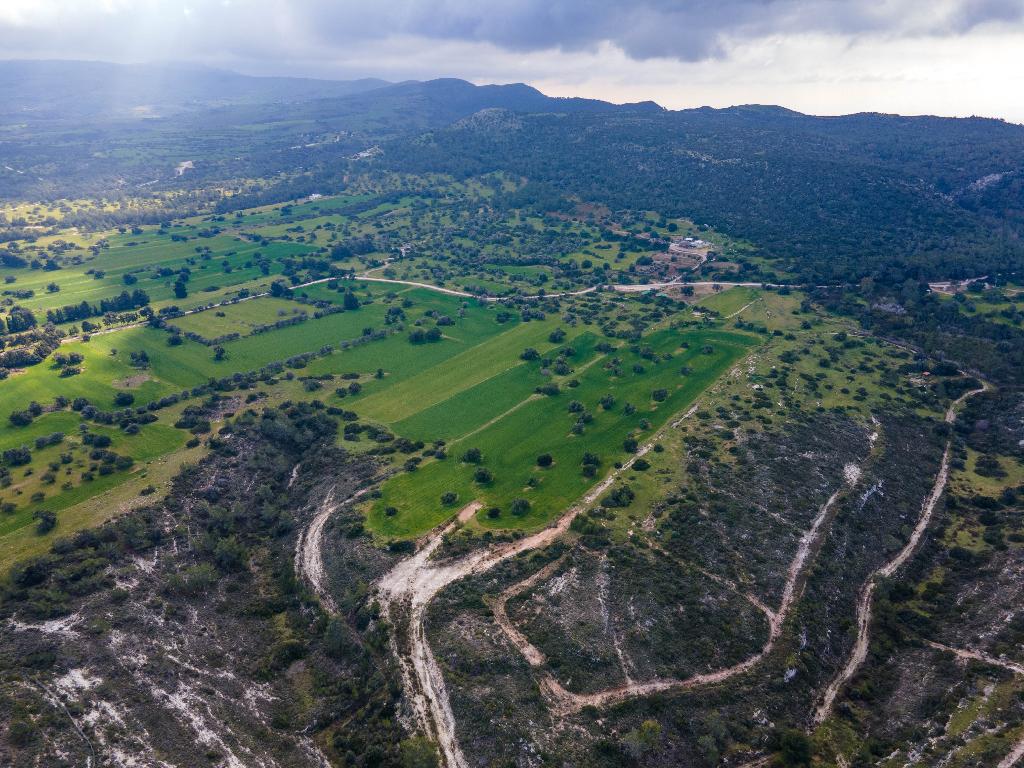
pixel 130 382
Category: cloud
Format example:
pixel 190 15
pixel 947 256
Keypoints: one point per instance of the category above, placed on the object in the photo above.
pixel 942 56
pixel 683 30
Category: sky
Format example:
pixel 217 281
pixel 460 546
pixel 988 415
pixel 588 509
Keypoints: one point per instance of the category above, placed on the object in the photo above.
pixel 945 57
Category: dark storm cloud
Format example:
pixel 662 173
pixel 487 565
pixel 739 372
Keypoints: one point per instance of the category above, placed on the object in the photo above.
pixel 284 31
pixel 689 31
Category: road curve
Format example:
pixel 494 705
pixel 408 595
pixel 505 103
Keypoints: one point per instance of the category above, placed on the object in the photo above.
pixel 859 651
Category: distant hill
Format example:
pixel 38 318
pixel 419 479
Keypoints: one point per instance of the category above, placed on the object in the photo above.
pixel 827 198
pixel 75 89
pixel 416 106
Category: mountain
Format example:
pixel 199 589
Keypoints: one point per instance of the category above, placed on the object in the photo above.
pixel 78 128
pixel 92 89
pixel 414 106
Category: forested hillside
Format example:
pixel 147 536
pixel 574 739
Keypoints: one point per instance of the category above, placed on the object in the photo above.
pixel 835 199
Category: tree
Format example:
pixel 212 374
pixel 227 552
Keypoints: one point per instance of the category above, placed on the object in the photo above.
pixel 483 475
pixel 46 521
pixel 519 507
pixel 794 748
pixel 472 456
pixel 418 752
pixel 350 301
pixel 180 290
pixel 545 460
pixel 219 353
pixel 20 319
pixel 642 740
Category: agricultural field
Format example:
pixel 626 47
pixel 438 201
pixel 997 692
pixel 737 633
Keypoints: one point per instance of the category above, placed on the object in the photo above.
pixel 606 401
pixel 152 337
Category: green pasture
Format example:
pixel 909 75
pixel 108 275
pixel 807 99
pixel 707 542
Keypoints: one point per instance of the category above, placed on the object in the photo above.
pixel 239 318
pixel 511 444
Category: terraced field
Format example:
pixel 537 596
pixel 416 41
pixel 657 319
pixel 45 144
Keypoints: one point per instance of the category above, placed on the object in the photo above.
pixel 522 425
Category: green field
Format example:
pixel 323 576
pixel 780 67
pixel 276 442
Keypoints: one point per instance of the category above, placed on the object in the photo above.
pixel 238 318
pixel 470 388
pixel 511 444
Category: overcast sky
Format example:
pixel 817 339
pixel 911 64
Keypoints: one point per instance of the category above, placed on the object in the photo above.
pixel 947 57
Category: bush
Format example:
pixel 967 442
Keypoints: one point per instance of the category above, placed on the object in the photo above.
pixel 449 497
pixel 545 460
pixel 124 399
pixel 46 521
pixel 20 418
pixel 519 507
pixel 17 457
pixel 620 497
pixel 418 752
pixel 19 732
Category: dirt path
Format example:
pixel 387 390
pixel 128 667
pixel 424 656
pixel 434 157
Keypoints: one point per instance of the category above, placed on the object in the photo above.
pixel 970 655
pixel 415 581
pixel 745 307
pixel 1015 756
pixel 564 702
pixel 859 651
pixel 367 278
pixel 309 562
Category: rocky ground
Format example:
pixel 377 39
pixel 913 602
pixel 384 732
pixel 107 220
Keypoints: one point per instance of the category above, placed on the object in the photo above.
pixel 179 635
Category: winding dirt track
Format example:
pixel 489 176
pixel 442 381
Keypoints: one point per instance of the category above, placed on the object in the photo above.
pixel 414 582
pixel 309 562
pixel 859 651
pixel 564 702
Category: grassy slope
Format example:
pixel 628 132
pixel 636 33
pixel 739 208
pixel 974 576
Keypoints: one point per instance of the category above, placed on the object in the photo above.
pixel 543 425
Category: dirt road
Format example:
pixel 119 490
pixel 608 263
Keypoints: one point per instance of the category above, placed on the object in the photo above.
pixel 309 562
pixel 564 702
pixel 366 278
pixel 414 582
pixel 859 651
pixel 970 655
